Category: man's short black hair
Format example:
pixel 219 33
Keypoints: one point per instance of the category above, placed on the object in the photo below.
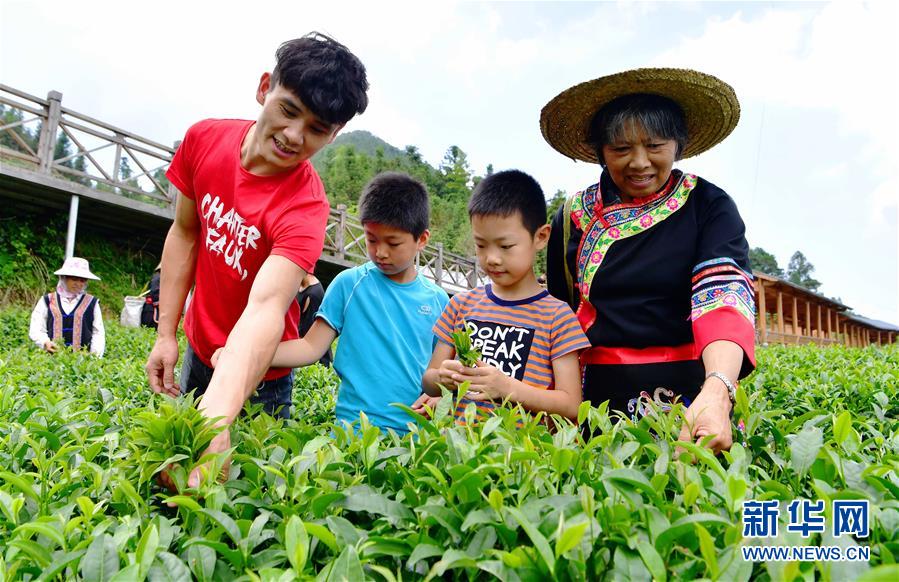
pixel 324 74
pixel 660 117
pixel 508 192
pixel 398 200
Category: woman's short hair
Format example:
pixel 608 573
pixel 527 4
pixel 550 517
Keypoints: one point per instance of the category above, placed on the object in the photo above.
pixel 659 117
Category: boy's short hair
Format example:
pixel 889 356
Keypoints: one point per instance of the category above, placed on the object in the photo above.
pixel 324 74
pixel 508 192
pixel 397 200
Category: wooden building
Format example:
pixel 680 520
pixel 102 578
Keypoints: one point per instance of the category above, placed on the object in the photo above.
pixel 790 314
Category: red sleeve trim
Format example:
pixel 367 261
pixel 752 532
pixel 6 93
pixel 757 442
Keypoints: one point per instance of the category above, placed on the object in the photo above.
pixel 726 323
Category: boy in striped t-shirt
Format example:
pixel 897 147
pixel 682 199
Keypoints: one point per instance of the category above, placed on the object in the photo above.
pixel 529 341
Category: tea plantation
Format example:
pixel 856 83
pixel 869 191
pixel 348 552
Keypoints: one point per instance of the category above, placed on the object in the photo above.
pixel 81 440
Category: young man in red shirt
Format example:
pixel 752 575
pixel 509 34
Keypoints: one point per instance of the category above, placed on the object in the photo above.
pixel 249 224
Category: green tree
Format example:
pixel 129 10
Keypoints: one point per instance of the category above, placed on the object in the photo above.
pixel 125 171
pixel 161 179
pixel 380 163
pixel 413 155
pixel 62 150
pixel 762 260
pixel 8 116
pixel 344 170
pixel 413 164
pixel 477 179
pixel 126 174
pixel 554 203
pixel 456 175
pixel 345 174
pixel 450 226
pixel 79 164
pixel 799 271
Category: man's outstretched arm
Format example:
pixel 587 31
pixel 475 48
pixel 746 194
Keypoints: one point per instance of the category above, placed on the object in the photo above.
pixel 248 352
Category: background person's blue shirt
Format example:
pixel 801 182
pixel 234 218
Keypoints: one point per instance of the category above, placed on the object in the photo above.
pixel 386 341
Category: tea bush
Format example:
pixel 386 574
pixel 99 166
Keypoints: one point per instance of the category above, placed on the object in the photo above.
pixel 308 499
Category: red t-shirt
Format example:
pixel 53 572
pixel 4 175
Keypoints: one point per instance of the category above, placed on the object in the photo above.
pixel 244 218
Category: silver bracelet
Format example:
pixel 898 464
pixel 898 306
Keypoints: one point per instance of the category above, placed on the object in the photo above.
pixel 731 389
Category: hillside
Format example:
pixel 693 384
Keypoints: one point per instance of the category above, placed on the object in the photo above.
pixel 363 141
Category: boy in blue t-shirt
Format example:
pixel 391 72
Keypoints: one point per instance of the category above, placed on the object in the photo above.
pixel 384 311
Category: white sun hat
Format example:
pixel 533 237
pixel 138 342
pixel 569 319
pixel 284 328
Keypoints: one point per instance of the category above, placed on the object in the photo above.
pixel 76 267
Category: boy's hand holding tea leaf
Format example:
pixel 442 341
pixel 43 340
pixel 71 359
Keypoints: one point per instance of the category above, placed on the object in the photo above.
pixel 464 352
pixel 452 372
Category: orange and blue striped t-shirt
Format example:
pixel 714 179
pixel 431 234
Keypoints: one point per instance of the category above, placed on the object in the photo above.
pixel 520 337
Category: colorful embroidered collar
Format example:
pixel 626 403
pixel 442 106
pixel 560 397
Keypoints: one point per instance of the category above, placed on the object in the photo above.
pixel 604 225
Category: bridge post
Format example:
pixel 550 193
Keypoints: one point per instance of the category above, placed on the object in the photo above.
pixel 438 267
pixel 473 274
pixel 340 235
pixel 49 127
pixel 172 191
pixel 117 162
pixel 73 224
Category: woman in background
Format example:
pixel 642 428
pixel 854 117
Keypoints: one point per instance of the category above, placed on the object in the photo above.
pixel 69 315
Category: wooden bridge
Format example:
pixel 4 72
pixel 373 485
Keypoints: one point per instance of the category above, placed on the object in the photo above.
pixel 113 181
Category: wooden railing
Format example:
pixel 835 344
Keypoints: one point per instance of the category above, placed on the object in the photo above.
pixel 98 161
pixel 345 245
pixel 102 156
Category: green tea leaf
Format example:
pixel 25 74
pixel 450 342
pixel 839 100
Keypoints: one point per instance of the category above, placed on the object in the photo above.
pixel 707 548
pixel 883 573
pixel 168 568
pixel 570 538
pixel 225 522
pixel 653 562
pixel 146 549
pixel 841 426
pixel 45 529
pixel 296 543
pixel 629 566
pixel 323 535
pixel 101 560
pixel 422 552
pixel 364 498
pixel 804 448
pixel 537 538
pixel 346 567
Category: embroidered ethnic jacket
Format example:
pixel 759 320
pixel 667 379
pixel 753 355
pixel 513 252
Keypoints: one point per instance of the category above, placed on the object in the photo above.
pixel 653 283
pixel 75 328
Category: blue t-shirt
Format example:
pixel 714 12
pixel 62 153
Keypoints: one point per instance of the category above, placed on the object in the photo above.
pixel 386 341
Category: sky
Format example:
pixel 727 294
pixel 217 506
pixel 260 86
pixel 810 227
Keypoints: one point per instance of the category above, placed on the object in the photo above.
pixel 812 164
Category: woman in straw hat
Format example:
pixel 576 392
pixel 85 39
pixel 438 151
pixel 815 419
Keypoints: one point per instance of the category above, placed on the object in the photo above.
pixel 653 260
pixel 69 314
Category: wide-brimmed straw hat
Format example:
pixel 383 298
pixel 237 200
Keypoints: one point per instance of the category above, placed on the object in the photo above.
pixel 76 267
pixel 710 107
